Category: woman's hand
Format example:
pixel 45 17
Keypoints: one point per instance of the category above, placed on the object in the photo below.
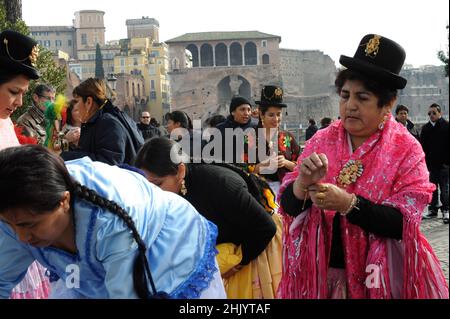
pixel 330 197
pixel 313 168
pixel 73 136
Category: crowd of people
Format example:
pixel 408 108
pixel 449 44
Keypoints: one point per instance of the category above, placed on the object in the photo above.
pixel 244 213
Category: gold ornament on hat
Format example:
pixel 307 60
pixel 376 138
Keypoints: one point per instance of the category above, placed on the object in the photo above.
pixel 373 46
pixel 34 55
pixel 350 172
pixel 278 92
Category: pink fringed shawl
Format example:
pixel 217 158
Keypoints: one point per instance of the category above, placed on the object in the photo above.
pixel 395 175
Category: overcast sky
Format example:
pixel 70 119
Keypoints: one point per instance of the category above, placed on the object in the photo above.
pixel 334 27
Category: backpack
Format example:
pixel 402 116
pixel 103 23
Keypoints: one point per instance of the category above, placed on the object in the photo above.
pixel 130 126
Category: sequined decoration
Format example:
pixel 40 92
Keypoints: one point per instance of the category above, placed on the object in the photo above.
pixel 350 172
pixel 373 46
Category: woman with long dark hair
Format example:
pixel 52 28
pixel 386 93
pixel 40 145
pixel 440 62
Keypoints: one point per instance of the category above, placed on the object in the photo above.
pixel 106 231
pixel 231 199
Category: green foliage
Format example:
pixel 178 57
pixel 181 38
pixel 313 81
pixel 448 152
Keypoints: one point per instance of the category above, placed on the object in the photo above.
pixel 51 73
pixel 444 57
pixel 99 71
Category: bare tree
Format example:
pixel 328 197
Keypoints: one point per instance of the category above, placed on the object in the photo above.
pixel 13 10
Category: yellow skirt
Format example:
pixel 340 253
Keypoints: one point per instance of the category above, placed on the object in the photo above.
pixel 261 277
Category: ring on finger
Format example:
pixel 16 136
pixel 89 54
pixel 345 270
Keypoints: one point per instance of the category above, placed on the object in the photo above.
pixel 320 196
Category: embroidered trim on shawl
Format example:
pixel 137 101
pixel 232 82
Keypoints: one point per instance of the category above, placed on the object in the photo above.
pixel 204 273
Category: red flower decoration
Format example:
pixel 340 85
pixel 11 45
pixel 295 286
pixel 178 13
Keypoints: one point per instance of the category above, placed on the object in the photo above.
pixel 22 138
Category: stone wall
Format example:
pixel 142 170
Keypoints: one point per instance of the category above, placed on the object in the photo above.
pixel 426 85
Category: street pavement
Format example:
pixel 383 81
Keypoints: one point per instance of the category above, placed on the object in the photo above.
pixel 437 234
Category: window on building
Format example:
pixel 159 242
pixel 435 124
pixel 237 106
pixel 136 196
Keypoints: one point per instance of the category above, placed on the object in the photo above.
pixel 152 84
pixel 264 43
pixel 206 55
pixel 128 88
pixel 132 90
pixel 122 62
pixel 221 55
pixel 69 43
pixel 47 43
pixel 84 39
pixel 250 53
pixel 135 61
pixel 58 43
pixel 265 59
pixel 194 52
pixel 57 33
pixel 235 54
pixel 153 95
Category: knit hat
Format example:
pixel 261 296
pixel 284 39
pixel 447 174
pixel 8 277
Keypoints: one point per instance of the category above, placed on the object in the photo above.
pixel 238 101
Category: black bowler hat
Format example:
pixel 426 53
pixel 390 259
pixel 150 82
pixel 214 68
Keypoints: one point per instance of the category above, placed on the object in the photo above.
pixel 380 58
pixel 18 54
pixel 271 96
pixel 238 101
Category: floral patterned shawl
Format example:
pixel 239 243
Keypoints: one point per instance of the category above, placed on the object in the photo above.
pixel 394 175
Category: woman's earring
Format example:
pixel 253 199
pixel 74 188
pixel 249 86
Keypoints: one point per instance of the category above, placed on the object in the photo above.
pixel 381 125
pixel 183 188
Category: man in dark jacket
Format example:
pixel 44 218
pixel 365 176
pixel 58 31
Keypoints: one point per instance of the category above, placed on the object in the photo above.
pixel 239 118
pixel 148 131
pixel 311 130
pixel 434 138
pixel 401 116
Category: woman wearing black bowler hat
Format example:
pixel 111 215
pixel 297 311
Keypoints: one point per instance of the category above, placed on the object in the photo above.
pixel 18 57
pixel 281 147
pixel 354 204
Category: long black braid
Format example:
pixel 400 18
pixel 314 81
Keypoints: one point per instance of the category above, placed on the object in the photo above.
pixel 255 184
pixel 141 271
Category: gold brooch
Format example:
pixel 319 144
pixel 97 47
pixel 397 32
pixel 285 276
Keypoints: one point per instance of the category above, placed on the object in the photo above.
pixel 373 46
pixel 278 92
pixel 34 55
pixel 350 172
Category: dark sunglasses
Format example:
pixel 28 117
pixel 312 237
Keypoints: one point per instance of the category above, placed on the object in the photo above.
pixel 146 117
pixel 434 113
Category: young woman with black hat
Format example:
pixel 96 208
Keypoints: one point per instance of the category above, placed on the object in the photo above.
pixel 287 149
pixel 18 57
pixel 354 204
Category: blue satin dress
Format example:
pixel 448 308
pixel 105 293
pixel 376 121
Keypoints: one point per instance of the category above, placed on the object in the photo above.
pixel 181 243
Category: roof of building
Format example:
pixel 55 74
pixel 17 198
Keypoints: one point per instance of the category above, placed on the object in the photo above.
pixel 51 28
pixel 222 35
pixel 90 11
pixel 143 20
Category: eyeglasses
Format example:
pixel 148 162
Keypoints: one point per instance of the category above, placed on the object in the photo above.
pixel 434 113
pixel 48 98
pixel 146 117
